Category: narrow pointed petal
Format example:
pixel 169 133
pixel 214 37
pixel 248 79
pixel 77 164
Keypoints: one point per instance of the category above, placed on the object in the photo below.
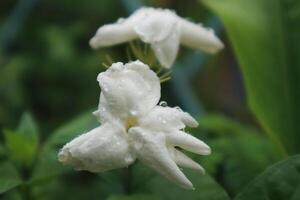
pixel 113 34
pixel 166 50
pixel 101 149
pixel 151 150
pixel 184 161
pixel 188 120
pixel 197 37
pixel 188 142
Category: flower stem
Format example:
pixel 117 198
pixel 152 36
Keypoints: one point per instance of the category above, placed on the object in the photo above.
pixel 127 180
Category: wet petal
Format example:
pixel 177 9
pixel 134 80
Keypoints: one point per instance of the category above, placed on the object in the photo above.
pixel 151 150
pixel 129 90
pixel 188 142
pixel 159 28
pixel 184 161
pixel 167 49
pixel 196 36
pixel 156 25
pixel 112 34
pixel 167 119
pixel 103 148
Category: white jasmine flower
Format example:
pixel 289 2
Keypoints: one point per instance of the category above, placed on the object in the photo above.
pixel 134 127
pixel 163 29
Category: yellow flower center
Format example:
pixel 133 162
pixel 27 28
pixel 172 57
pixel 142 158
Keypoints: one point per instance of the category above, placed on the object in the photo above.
pixel 131 121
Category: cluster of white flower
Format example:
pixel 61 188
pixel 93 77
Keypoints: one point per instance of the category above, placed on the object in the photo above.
pixel 133 125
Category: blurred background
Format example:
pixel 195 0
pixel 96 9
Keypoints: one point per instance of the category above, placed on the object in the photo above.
pixel 48 88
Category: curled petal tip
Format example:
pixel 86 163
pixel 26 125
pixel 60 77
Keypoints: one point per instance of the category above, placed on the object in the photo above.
pixel 93 43
pixel 62 157
pixel 189 120
pixel 206 151
pixel 216 47
pixel 188 186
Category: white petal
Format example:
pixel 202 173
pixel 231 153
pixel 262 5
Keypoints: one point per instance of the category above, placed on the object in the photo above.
pixel 167 119
pixel 159 28
pixel 151 149
pixel 196 36
pixel 184 161
pixel 188 142
pixel 156 25
pixel 103 148
pixel 128 90
pixel 166 50
pixel 119 32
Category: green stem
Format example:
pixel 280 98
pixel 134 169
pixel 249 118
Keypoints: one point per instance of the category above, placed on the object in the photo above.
pixel 127 180
pixel 26 192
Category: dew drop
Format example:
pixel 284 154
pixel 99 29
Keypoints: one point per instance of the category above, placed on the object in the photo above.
pixel 133 112
pixel 178 108
pixel 128 159
pixel 120 20
pixel 163 104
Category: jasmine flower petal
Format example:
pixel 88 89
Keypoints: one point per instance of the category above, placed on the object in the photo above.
pixel 101 149
pixel 152 151
pixel 163 29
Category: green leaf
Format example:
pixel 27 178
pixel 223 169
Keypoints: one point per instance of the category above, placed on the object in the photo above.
pixel 133 197
pixel 280 181
pixel 9 177
pixel 222 124
pixel 22 144
pixel 2 150
pixel 265 35
pixel 19 147
pixel 242 151
pixel 205 187
pixel 69 131
pixel 29 128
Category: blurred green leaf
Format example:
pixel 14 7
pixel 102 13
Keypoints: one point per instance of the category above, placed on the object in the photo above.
pixel 280 181
pixel 48 165
pixel 241 151
pixel 133 197
pixel 221 124
pixel 9 177
pixel 265 35
pixel 22 144
pixel 19 147
pixel 69 131
pixel 146 181
pixel 29 128
pixel 205 188
pixel 2 150
pixel 11 88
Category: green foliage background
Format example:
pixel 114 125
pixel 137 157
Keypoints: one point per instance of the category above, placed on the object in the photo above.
pixel 245 99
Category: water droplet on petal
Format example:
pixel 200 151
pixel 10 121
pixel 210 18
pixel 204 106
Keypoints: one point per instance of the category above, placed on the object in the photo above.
pixel 128 159
pixel 133 112
pixel 121 20
pixel 178 108
pixel 163 104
